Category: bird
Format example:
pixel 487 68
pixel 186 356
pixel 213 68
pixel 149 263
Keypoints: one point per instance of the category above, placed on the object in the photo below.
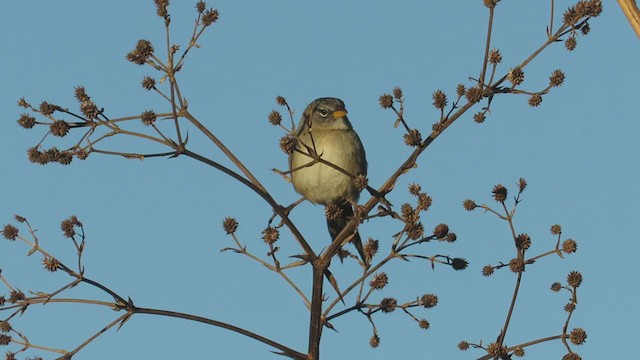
pixel 325 129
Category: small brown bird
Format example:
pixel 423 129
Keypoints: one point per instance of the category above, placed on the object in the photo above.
pixel 324 127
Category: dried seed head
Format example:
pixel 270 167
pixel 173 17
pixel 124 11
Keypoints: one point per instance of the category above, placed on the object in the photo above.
pixel 518 351
pixel 397 93
pixel 413 138
pixel 414 189
pixel 82 154
pixel 516 265
pixel 570 306
pixel 473 94
pixel 10 232
pixel 463 345
pixel 516 76
pixel 35 156
pixel 370 249
pixel 379 281
pixel 386 101
pixel 5 339
pixel 415 231
pixel 333 212
pixel 496 350
pixel 522 184
pixel 67 228
pixel 19 218
pixel 275 118
pixel 523 241
pixel 280 100
pixel 582 9
pixel 578 336
pixel 374 342
pixel 409 215
pixel 479 117
pixel 47 109
pixel 59 128
pixel 148 83
pixel 51 264
pixel 556 286
pixel 142 52
pixel 288 143
pixel 64 158
pixel 535 100
pixel 210 16
pixel 388 305
pixel 201 6
pixel 491 3
pixel 585 29
pixel 460 90
pixel 230 225
pixel 487 270
pixel 161 8
pixel 89 109
pixel 572 356
pixel 499 193
pixel 270 235
pixel 440 231
pixel 574 279
pixel 15 296
pixel 424 324
pixel 26 121
pixel 429 300
pixel 452 237
pixel 495 57
pixel 556 78
pixel 459 263
pixel 569 246
pixel 571 43
pixel 469 205
pixel 148 117
pixel 5 327
pixel 361 182
pixel 80 94
pixel 556 229
pixel 23 103
pixel 439 99
pixel 424 202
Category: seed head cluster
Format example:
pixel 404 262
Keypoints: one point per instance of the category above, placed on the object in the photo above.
pixel 439 99
pixel 270 235
pixel 288 144
pixel 413 138
pixel 379 281
pixel 386 101
pixel 275 118
pixel 230 225
pixel 142 52
pixel 370 249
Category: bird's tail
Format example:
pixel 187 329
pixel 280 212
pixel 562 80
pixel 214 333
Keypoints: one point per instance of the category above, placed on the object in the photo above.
pixel 336 225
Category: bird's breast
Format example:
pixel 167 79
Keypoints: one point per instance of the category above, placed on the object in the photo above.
pixel 321 183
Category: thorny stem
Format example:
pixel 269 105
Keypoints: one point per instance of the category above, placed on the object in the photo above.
pixel 514 297
pixel 486 49
pixel 285 350
pixel 120 319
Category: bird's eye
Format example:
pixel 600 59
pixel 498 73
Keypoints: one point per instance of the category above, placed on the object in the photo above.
pixel 323 112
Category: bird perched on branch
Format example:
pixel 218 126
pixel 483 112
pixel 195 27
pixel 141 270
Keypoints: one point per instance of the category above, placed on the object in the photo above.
pixel 325 132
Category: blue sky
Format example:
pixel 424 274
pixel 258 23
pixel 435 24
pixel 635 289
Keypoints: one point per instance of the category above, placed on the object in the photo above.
pixel 154 226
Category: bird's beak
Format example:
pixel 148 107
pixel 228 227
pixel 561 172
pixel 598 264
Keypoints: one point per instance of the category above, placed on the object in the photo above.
pixel 339 114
